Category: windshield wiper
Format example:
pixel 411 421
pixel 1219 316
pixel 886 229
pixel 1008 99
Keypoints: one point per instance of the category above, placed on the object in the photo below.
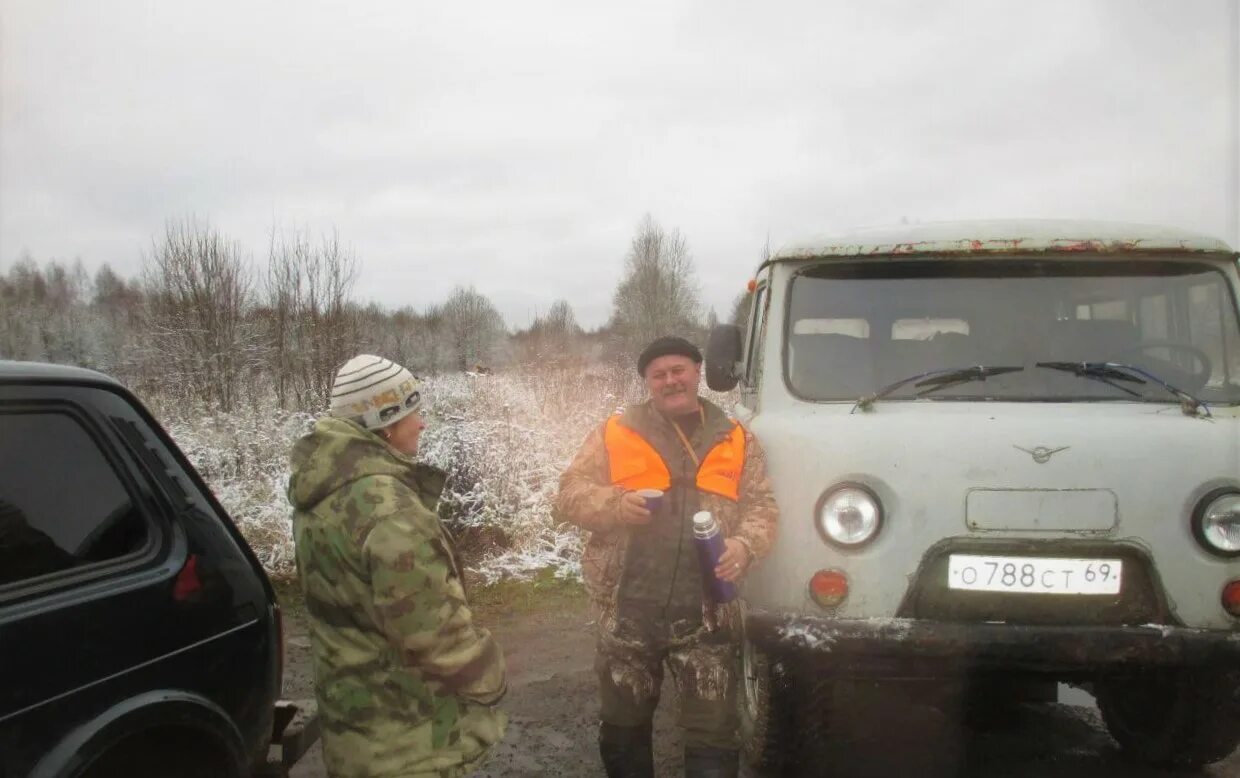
pixel 1098 371
pixel 937 379
pixel 1110 372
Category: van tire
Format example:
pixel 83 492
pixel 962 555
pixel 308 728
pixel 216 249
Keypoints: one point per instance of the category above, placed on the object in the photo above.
pixel 865 728
pixel 764 711
pixel 1173 718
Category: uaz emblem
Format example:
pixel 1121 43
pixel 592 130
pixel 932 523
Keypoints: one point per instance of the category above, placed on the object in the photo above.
pixel 1042 454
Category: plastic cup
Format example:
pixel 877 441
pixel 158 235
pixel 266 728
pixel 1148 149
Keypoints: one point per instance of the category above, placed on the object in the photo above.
pixel 653 498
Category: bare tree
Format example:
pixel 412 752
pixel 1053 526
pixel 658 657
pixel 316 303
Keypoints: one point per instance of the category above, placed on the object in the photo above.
pixel 415 340
pixel 15 340
pixel 198 288
pixel 473 327
pixel 68 334
pixel 435 348
pixel 744 301
pixel 740 309
pixel 311 325
pixel 658 294
pixel 560 335
pixel 22 294
pixel 117 306
pixel 43 316
pixel 553 339
pixel 560 320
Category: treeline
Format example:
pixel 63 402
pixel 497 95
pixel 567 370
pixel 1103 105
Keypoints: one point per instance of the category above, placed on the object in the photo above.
pixel 205 324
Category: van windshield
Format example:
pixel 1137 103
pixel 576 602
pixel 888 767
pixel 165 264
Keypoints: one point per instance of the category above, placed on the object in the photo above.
pixel 855 327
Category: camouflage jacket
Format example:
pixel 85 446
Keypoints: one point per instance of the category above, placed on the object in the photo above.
pixel 588 499
pixel 405 681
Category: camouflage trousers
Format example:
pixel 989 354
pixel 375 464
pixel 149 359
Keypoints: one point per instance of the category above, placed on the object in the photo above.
pixel 629 660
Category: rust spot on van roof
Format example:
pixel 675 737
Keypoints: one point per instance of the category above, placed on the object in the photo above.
pixel 1023 238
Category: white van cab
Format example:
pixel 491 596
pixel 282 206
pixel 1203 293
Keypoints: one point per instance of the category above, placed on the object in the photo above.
pixel 1001 450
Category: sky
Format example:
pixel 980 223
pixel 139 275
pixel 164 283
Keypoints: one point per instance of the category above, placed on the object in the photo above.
pixel 517 146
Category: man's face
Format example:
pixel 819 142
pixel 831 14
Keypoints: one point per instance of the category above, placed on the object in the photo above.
pixel 404 434
pixel 673 384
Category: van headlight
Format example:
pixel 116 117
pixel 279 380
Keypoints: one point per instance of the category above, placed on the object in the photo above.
pixel 1217 523
pixel 849 515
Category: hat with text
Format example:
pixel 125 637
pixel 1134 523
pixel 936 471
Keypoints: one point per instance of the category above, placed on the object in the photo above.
pixel 374 392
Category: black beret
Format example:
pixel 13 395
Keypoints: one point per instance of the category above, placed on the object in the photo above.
pixel 667 346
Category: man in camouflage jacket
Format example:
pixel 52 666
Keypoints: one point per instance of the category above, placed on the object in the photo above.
pixel 643 573
pixel 405 680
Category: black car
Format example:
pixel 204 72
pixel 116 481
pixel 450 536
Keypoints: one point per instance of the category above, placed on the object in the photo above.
pixel 139 635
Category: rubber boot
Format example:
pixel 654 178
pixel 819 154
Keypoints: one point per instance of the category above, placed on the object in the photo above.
pixel 705 762
pixel 627 751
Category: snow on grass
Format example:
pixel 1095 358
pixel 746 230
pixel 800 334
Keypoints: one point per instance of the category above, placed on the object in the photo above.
pixel 244 459
pixel 504 439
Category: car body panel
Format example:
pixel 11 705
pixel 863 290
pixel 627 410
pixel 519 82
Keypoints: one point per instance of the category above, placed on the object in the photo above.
pixel 190 617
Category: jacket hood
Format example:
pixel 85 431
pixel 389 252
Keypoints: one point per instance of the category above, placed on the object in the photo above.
pixel 337 452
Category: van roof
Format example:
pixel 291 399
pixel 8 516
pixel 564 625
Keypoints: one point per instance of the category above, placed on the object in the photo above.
pixel 1014 236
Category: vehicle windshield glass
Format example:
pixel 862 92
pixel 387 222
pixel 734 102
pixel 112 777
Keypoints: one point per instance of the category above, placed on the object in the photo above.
pixel 856 327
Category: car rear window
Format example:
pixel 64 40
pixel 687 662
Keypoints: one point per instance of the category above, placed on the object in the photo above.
pixel 62 505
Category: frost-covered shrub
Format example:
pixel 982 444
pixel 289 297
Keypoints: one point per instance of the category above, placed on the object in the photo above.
pixel 503 439
pixel 244 458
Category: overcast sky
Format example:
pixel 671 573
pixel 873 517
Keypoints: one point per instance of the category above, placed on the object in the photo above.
pixel 516 146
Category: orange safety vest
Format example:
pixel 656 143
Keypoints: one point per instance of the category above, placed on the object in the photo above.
pixel 635 464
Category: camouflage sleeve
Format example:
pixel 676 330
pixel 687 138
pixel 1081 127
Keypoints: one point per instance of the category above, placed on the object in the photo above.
pixel 758 511
pixel 422 605
pixel 586 497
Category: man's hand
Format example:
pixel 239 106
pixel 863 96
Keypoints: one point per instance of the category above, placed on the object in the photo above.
pixel 733 562
pixel 632 509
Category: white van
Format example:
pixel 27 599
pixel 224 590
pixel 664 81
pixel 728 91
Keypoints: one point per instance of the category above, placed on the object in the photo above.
pixel 1001 450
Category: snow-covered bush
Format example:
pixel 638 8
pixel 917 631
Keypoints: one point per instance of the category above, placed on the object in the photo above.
pixel 504 439
pixel 244 458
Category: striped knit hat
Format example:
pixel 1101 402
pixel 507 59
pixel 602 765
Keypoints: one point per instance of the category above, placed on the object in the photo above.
pixel 374 392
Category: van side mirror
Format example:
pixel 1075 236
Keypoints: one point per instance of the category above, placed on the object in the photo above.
pixel 723 352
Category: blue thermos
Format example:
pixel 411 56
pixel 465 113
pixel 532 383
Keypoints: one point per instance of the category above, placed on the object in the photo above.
pixel 710 547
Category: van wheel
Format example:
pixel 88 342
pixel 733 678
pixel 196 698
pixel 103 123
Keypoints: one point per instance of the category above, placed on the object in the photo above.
pixel 863 728
pixel 765 712
pixel 1173 718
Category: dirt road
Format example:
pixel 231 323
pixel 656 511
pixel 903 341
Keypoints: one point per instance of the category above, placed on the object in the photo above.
pixel 553 712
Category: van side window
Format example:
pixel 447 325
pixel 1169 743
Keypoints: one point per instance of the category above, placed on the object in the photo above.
pixel 62 506
pixel 757 332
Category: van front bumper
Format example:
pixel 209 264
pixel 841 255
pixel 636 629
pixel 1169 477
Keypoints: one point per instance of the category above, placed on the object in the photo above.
pixel 926 648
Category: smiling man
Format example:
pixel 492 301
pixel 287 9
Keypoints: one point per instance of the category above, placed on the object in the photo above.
pixel 642 569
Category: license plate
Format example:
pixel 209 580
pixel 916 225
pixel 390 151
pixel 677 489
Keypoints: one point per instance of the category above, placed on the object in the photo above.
pixel 1033 575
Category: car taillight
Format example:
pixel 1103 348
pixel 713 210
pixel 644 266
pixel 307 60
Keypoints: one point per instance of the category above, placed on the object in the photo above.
pixel 828 588
pixel 1231 598
pixel 187 582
